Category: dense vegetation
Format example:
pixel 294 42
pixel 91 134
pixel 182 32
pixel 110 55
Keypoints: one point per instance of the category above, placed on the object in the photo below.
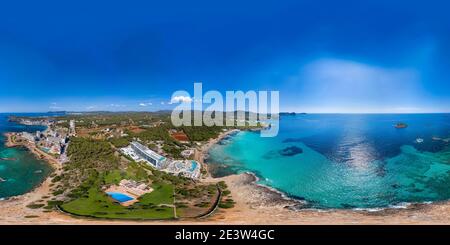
pixel 89 161
pixel 101 167
pixel 226 201
pixel 93 119
pixel 202 133
pixel 88 153
pixel 96 163
pixel 120 142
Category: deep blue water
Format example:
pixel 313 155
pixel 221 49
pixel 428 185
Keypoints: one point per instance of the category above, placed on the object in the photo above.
pixel 346 161
pixel 22 171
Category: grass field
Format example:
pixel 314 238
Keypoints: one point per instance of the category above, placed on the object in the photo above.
pixel 161 194
pixel 153 205
pixel 133 172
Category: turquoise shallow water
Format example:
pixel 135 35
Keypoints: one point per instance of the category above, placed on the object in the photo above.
pixel 346 161
pixel 22 172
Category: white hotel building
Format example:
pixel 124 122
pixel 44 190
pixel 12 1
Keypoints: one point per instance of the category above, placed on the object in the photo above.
pixel 139 152
pixel 148 155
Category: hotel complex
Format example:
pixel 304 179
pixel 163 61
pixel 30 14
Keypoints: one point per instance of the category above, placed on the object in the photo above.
pixel 50 140
pixel 139 152
pixel 150 156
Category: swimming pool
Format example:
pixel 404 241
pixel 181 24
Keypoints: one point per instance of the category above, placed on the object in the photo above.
pixel 193 166
pixel 45 149
pixel 120 197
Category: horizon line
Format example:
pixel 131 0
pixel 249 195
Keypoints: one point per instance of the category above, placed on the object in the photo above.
pixel 281 112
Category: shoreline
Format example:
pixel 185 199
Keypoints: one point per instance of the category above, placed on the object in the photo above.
pixel 285 204
pixel 264 206
pixel 202 153
pixel 42 189
pixel 41 155
pixel 255 204
pixel 254 182
pixel 9 142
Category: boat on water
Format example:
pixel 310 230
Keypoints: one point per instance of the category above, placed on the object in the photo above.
pixel 2 180
pixel 447 140
pixel 7 159
pixel 419 140
pixel 401 125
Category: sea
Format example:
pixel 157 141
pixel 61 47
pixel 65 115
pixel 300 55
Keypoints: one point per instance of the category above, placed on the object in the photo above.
pixel 346 161
pixel 20 170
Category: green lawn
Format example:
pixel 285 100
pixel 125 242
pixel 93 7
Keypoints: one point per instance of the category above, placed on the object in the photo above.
pixel 98 204
pixel 133 171
pixel 162 194
pixel 113 177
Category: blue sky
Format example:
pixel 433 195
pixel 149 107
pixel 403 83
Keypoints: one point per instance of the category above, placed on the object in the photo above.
pixel 323 56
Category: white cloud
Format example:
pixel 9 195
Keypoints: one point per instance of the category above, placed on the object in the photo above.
pixel 116 105
pixel 54 106
pixel 145 104
pixel 162 102
pixel 408 110
pixel 178 99
pixel 349 85
pixel 357 74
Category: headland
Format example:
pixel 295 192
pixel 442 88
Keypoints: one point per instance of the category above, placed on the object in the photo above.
pixel 253 203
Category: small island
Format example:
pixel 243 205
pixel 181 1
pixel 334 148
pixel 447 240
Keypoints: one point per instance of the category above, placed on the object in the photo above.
pixel 401 125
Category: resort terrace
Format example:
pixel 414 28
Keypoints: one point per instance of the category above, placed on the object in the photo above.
pixel 128 191
pixel 187 168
